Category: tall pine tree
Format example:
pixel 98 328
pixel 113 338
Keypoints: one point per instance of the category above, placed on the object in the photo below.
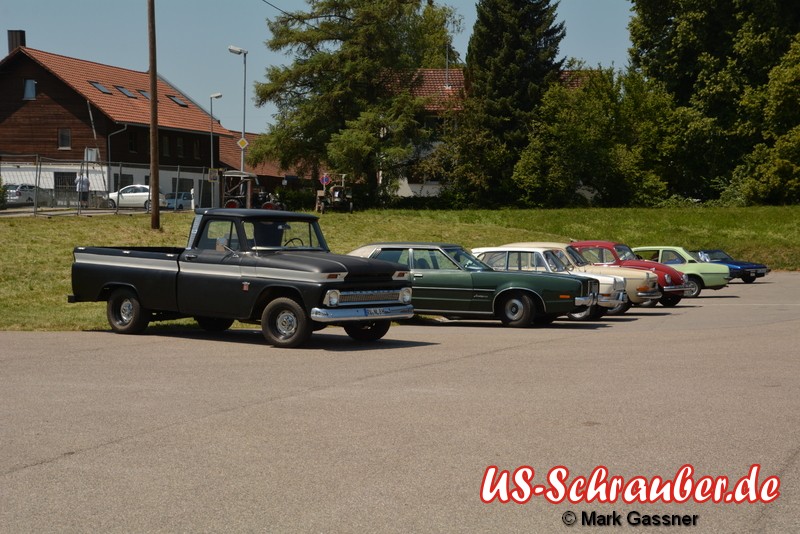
pixel 512 58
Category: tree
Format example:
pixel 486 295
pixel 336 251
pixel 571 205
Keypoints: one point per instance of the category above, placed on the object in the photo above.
pixel 713 56
pixel 512 58
pixel 338 103
pixel 602 139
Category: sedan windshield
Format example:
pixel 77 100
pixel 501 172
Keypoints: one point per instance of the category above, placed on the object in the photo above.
pixel 624 252
pixel 576 257
pixel 716 255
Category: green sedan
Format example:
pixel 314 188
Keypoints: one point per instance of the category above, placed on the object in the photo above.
pixel 699 275
pixel 449 281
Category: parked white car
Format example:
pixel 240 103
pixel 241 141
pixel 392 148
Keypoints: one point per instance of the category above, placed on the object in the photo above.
pixel 133 196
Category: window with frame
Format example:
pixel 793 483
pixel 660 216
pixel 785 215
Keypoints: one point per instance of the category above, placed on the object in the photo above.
pixel 64 139
pixel 395 255
pixel 179 147
pixel 133 141
pixel 196 148
pixel 671 257
pixel 29 90
pixel 433 259
pixel 164 145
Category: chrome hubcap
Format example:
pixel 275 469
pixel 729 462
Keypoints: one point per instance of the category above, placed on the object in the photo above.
pixel 126 311
pixel 514 309
pixel 286 324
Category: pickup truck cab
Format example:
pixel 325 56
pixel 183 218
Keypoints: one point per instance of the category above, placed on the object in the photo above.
pixel 265 267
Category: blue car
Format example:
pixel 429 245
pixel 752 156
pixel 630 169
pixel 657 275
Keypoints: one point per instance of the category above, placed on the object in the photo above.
pixel 746 270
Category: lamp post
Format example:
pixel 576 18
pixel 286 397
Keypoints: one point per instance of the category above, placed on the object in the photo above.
pixel 242 52
pixel 215 190
pixel 211 98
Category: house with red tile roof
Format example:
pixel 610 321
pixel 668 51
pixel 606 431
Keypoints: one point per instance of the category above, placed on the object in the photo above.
pixel 95 118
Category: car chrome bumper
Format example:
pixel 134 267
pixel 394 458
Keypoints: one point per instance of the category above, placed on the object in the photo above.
pixel 649 295
pixel 588 300
pixel 335 315
pixel 676 288
pixel 613 300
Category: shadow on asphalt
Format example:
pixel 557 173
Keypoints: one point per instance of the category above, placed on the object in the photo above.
pixel 332 340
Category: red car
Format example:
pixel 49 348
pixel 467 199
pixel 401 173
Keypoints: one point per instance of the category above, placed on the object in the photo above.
pixel 670 281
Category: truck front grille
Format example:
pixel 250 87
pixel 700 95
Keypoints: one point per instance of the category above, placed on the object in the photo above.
pixel 370 297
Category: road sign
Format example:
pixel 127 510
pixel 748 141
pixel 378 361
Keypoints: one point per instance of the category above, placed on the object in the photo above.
pixel 242 143
pixel 325 179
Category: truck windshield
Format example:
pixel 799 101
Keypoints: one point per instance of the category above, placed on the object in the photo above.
pixel 272 234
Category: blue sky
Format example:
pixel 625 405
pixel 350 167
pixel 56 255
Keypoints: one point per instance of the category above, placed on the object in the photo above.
pixel 193 38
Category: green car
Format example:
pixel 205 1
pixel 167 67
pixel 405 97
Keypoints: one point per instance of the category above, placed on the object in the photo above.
pixel 449 281
pixel 699 275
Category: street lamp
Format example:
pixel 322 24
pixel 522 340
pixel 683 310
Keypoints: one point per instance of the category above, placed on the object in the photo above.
pixel 211 98
pixel 242 52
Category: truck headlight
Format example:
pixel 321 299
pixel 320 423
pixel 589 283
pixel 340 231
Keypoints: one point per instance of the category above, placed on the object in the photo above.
pixel 405 295
pixel 332 298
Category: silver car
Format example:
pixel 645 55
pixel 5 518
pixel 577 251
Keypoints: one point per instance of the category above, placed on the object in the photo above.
pixel 23 194
pixel 133 196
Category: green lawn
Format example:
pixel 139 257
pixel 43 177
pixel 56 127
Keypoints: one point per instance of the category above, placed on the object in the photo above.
pixel 37 252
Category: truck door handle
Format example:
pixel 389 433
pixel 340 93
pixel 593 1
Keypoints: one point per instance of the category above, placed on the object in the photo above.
pixel 191 257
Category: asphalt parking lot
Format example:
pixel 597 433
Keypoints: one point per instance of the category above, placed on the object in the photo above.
pixel 178 430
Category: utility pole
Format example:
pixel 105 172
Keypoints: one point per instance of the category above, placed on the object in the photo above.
pixel 155 215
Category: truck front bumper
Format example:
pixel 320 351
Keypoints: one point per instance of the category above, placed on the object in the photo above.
pixel 341 315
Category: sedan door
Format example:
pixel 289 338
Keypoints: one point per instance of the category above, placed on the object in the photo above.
pixel 439 283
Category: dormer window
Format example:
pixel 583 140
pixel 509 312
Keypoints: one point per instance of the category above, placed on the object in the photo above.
pixel 29 90
pixel 178 101
pixel 100 87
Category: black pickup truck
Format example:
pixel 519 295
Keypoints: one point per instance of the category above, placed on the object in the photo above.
pixel 265 267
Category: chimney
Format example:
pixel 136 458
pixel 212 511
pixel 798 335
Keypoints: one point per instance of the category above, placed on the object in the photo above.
pixel 16 38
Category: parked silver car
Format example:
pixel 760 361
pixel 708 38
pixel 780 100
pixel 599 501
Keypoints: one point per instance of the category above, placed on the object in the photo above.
pixel 24 194
pixel 179 201
pixel 133 196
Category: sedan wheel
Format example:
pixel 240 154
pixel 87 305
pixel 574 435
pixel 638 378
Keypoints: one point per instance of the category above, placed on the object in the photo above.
pixel 619 309
pixel 748 279
pixel 695 285
pixel 516 310
pixel 669 300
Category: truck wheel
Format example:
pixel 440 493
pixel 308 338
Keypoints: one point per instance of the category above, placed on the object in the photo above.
pixel 668 300
pixel 695 285
pixel 516 310
pixel 125 313
pixel 284 323
pixel 371 331
pixel 213 324
pixel 619 309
